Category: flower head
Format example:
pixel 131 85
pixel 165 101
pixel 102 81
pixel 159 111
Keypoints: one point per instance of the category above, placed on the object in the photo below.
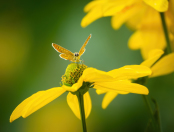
pixel 140 15
pixel 162 67
pixel 79 78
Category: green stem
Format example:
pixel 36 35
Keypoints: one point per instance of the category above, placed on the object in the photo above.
pixel 169 50
pixel 150 111
pixel 82 111
pixel 143 81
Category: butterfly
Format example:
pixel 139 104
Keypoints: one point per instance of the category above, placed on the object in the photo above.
pixel 68 55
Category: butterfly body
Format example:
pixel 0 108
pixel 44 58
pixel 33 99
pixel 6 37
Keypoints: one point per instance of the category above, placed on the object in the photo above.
pixel 68 55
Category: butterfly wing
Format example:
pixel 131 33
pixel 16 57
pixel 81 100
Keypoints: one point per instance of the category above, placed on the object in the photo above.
pixel 82 50
pixel 66 57
pixel 66 54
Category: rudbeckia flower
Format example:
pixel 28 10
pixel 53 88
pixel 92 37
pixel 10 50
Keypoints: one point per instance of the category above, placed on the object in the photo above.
pixel 79 78
pixel 162 67
pixel 140 15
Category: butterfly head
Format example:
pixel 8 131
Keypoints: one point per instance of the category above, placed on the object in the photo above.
pixel 76 54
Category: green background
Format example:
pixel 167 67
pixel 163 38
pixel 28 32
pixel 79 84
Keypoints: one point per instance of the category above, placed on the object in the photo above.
pixel 28 64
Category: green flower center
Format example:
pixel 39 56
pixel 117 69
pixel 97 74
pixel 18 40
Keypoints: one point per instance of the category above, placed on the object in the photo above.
pixel 73 73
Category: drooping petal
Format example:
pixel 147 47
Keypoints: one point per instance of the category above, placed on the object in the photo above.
pixel 164 66
pixel 94 75
pixel 35 102
pixel 109 96
pixel 130 72
pixel 153 56
pixel 159 5
pixel 87 103
pixel 73 103
pixel 121 86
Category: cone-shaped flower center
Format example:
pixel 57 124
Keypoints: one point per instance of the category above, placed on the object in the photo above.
pixel 73 73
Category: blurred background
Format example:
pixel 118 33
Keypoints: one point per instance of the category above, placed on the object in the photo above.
pixel 28 64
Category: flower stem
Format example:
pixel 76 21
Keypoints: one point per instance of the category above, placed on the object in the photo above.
pixel 165 32
pixel 156 126
pixel 150 111
pixel 82 111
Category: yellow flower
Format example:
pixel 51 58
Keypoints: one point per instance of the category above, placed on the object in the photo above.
pixel 80 78
pixel 140 15
pixel 123 9
pixel 162 67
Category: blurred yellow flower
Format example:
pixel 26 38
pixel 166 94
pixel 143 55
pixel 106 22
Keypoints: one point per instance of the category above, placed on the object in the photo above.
pixel 79 77
pixel 162 67
pixel 140 15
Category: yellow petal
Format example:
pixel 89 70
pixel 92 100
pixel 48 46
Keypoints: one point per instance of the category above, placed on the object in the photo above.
pixel 163 66
pixel 93 15
pixel 159 5
pixel 87 103
pixel 98 91
pixel 135 41
pixel 135 21
pixel 147 40
pixel 113 10
pixel 92 5
pixel 94 75
pixel 109 96
pixel 121 86
pixel 35 102
pixel 153 56
pixel 73 103
pixel 130 72
pixel 75 86
pixel 121 17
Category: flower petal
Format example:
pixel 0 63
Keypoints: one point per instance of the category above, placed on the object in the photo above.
pixel 109 96
pixel 163 66
pixel 87 103
pixel 98 91
pixel 94 75
pixel 121 17
pixel 147 40
pixel 92 5
pixel 35 102
pixel 153 56
pixel 73 103
pixel 135 41
pixel 93 15
pixel 75 86
pixel 113 9
pixel 130 72
pixel 159 5
pixel 121 86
